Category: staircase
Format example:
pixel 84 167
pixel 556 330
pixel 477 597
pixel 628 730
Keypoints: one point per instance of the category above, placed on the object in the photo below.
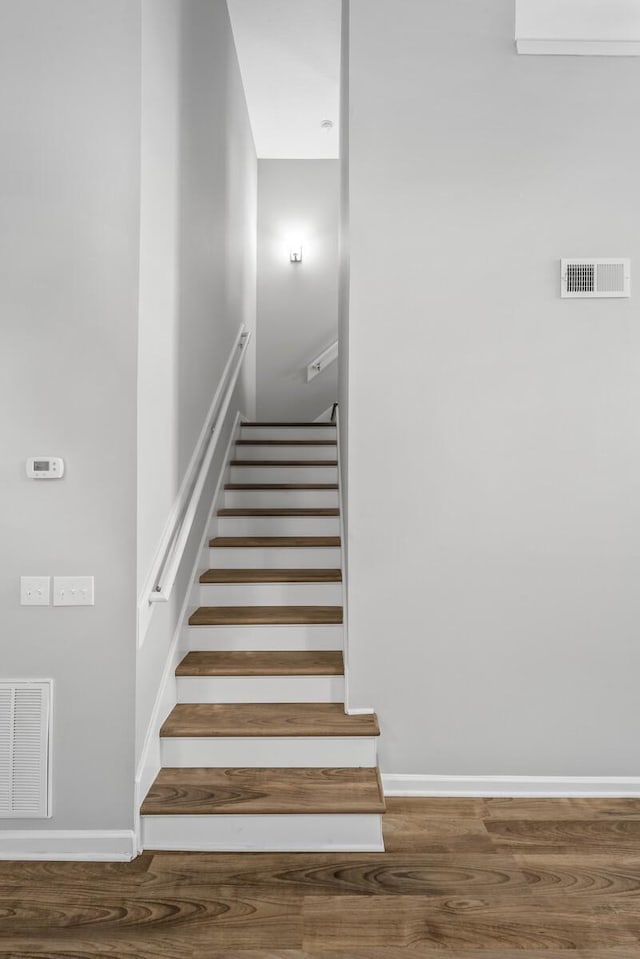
pixel 258 753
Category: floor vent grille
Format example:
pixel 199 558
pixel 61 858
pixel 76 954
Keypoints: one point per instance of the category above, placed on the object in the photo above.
pixel 25 722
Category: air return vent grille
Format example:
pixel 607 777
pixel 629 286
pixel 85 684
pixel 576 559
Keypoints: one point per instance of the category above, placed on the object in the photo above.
pixel 596 278
pixel 25 711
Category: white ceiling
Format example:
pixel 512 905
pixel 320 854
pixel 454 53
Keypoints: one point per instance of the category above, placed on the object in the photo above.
pixel 289 53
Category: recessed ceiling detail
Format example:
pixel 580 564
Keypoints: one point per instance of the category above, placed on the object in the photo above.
pixel 289 54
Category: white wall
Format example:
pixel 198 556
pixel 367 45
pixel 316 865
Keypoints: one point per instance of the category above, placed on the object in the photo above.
pixel 197 282
pixel 494 434
pixel 90 260
pixel 69 206
pixel 198 270
pixel 297 302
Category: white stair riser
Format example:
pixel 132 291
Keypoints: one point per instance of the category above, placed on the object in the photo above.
pixel 278 526
pixel 338 832
pixel 270 557
pixel 281 499
pixel 271 594
pixel 288 433
pixel 258 751
pixel 230 638
pixel 285 453
pixel 284 474
pixel 260 689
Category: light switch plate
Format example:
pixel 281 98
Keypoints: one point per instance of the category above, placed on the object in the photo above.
pixel 73 591
pixel 35 590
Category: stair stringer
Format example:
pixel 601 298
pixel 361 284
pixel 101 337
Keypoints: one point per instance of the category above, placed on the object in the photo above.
pixel 150 760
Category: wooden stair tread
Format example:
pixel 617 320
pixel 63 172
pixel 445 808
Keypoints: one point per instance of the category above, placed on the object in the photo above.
pixel 286 443
pixel 265 615
pixel 268 487
pixel 195 720
pixel 293 463
pixel 262 663
pixel 280 511
pixel 225 542
pixel 272 576
pixel 320 426
pixel 223 791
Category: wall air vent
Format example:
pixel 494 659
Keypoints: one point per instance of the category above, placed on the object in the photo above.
pixel 25 724
pixel 582 277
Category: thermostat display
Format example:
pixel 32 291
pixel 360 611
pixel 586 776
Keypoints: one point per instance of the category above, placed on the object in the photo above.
pixel 45 467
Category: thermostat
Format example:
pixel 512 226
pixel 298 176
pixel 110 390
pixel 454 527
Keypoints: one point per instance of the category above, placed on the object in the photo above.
pixel 45 467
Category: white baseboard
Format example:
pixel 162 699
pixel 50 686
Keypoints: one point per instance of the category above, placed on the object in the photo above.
pixel 91 845
pixel 396 784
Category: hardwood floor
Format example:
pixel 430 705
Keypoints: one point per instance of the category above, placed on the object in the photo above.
pixel 464 879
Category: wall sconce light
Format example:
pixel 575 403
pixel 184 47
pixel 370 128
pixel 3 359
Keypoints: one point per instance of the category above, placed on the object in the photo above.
pixel 295 254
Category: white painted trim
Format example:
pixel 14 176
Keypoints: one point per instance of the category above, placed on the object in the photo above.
pixel 90 845
pixel 145 609
pixel 579 48
pixel 325 416
pixel 259 751
pixel 260 689
pixel 343 568
pixel 348 708
pixel 270 594
pixel 578 27
pixel 150 762
pixel 322 361
pixel 272 557
pixel 395 784
pixel 230 638
pixel 333 832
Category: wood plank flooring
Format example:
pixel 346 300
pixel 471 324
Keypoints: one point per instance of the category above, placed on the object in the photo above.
pixel 463 879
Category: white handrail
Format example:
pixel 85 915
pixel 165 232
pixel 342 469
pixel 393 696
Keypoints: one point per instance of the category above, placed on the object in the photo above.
pixel 167 570
pixel 330 355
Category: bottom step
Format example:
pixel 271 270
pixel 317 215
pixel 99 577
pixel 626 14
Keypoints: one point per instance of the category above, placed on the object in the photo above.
pixel 211 791
pixel 275 809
